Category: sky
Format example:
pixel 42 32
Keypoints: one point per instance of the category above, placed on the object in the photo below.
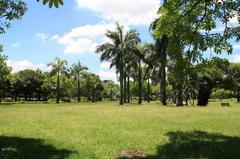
pixel 73 31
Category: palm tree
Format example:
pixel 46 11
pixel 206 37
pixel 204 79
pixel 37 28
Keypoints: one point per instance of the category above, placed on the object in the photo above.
pixel 161 50
pixel 146 76
pixel 134 61
pixel 151 63
pixel 116 50
pixel 77 71
pixel 58 67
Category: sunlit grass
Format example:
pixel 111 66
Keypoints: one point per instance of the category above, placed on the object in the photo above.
pixel 104 130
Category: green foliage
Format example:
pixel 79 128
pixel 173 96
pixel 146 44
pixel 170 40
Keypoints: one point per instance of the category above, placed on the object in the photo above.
pixel 50 3
pixel 111 90
pixel 10 10
pixel 4 75
pixel 221 94
pixel 28 83
pixel 93 87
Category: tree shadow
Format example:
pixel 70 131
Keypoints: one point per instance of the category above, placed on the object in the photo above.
pixel 28 148
pixel 198 145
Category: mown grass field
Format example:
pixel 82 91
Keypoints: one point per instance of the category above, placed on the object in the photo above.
pixel 104 130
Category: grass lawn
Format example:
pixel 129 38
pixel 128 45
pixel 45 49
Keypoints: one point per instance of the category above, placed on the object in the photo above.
pixel 104 130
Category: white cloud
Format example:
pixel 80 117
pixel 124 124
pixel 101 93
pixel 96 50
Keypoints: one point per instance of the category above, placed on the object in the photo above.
pixel 25 64
pixel 236 46
pixel 80 46
pixel 105 65
pixel 236 59
pixel 42 36
pixel 83 39
pixel 16 44
pixel 133 12
pixel 106 75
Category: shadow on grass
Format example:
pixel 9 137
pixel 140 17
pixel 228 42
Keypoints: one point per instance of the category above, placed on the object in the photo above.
pixel 198 145
pixel 27 148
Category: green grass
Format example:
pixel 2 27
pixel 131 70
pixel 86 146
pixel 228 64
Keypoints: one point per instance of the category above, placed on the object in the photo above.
pixel 104 130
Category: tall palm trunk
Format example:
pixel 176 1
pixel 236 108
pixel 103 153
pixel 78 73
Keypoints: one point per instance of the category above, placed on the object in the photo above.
pixel 140 83
pixel 162 48
pixel 58 84
pixel 78 89
pixel 148 81
pixel 128 87
pixel 121 81
pixel 125 87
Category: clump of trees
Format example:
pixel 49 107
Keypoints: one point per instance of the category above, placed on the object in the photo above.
pixel 182 74
pixel 62 83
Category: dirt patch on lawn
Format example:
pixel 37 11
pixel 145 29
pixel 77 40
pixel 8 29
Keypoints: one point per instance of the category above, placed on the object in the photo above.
pixel 132 154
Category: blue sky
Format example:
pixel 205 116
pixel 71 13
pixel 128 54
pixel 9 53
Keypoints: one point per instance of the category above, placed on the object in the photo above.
pixel 73 30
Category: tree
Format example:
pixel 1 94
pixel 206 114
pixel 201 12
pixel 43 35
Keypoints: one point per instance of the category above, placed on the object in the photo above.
pixel 56 3
pixel 94 87
pixel 77 71
pixel 151 64
pixel 161 49
pixel 183 24
pixel 4 75
pixel 138 56
pixel 147 77
pixel 58 67
pixel 233 76
pixel 111 90
pixel 116 50
pixel 29 83
pixel 10 10
pixel 210 74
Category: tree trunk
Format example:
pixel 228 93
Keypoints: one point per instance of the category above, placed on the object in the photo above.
pixel 205 90
pixel 121 81
pixel 238 95
pixel 125 88
pixel 58 85
pixel 179 99
pixel 15 97
pixel 78 89
pixel 148 90
pixel 140 83
pixel 93 95
pixel 128 87
pixel 162 47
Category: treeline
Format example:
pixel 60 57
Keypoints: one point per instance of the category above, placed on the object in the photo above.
pixel 62 83
pixel 216 78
